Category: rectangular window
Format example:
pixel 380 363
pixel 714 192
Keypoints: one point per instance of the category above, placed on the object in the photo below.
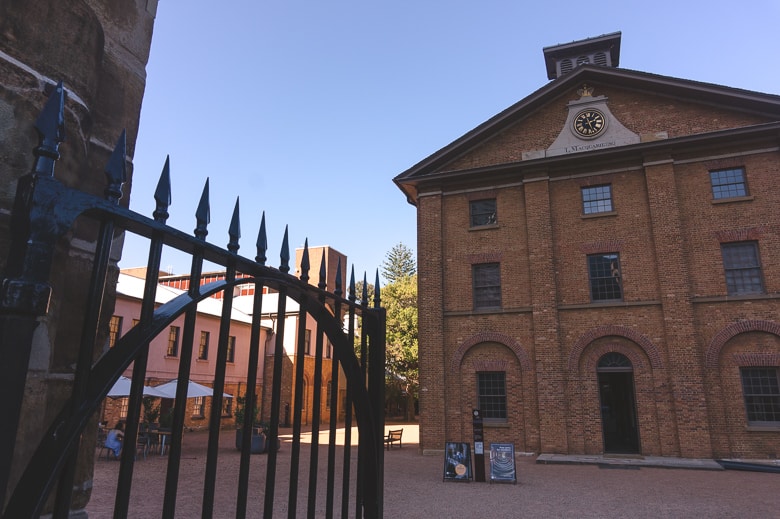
pixel 486 279
pixel 231 349
pixel 123 402
pixel 203 350
pixel 227 407
pixel 491 395
pixel 199 407
pixel 173 341
pixel 328 348
pixel 728 183
pixel 742 268
pixel 597 199
pixel 114 330
pixel 762 394
pixel 604 273
pixel 307 342
pixel 483 212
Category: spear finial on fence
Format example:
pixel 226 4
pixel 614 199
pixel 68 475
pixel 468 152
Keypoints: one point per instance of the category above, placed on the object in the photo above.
pixel 337 289
pixel 234 231
pixel 162 195
pixel 51 132
pixel 364 297
pixel 323 284
pixel 377 298
pixel 352 284
pixel 305 264
pixel 285 254
pixel 116 170
pixel 203 214
pixel 262 242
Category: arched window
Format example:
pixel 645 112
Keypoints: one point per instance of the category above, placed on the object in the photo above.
pixel 614 361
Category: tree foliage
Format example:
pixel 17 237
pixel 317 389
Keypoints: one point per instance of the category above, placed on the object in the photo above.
pixel 399 263
pixel 400 301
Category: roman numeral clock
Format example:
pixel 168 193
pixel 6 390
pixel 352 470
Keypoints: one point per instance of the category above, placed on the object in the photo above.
pixel 589 126
pixel 589 123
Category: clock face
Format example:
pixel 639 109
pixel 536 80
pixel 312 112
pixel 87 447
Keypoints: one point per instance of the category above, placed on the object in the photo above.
pixel 589 123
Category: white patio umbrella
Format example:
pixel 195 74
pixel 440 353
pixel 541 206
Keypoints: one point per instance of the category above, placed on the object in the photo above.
pixel 122 389
pixel 193 390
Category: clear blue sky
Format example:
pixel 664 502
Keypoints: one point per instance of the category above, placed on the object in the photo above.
pixel 307 109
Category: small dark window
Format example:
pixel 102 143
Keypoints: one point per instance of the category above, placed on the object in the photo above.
pixel 307 341
pixel 203 349
pixel 231 348
pixel 491 395
pixel 605 282
pixel 173 341
pixel 728 183
pixel 483 212
pixel 762 394
pixel 487 285
pixel 743 270
pixel 597 199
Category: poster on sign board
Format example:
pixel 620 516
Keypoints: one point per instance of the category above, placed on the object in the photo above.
pixel 457 461
pixel 502 463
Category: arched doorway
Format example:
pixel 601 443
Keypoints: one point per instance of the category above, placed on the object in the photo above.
pixel 618 406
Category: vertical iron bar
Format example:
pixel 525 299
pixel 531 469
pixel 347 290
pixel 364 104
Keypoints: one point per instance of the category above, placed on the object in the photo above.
pixel 219 369
pixel 334 390
pixel 116 174
pixel 24 294
pixel 359 494
pixel 317 386
pixel 348 404
pixel 300 359
pixel 185 361
pixel 276 395
pixel 376 391
pixel 251 379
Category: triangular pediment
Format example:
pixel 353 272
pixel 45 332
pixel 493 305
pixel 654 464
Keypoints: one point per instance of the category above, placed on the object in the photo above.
pixel 636 108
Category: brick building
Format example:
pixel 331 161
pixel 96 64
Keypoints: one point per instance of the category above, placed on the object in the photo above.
pixel 243 304
pixel 598 267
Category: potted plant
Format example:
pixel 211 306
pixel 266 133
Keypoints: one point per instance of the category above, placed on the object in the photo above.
pixel 259 431
pixel 151 411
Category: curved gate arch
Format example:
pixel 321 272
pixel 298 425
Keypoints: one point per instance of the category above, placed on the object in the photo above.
pixel 44 212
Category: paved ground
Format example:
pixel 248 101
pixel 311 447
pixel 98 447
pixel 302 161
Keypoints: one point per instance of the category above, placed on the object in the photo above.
pixel 414 488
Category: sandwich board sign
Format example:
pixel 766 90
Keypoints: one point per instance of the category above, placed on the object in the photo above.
pixel 502 463
pixel 457 461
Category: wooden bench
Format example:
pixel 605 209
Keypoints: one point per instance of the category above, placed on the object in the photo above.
pixel 393 436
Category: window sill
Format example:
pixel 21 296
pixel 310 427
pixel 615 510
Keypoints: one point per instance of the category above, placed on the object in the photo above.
pixel 484 227
pixel 727 299
pixel 496 425
pixel 733 199
pixel 598 215
pixel 763 428
pixel 175 357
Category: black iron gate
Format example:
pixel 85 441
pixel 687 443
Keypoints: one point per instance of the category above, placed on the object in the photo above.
pixel 44 212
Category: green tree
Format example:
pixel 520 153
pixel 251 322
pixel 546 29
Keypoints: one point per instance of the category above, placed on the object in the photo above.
pixel 399 263
pixel 400 301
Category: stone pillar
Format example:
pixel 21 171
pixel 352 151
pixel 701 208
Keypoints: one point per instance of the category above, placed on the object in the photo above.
pixel 430 299
pixel 675 288
pixel 550 369
pixel 99 50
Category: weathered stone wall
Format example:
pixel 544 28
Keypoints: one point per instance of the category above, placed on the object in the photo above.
pixel 99 50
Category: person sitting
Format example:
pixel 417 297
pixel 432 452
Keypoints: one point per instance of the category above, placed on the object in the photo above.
pixel 114 439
